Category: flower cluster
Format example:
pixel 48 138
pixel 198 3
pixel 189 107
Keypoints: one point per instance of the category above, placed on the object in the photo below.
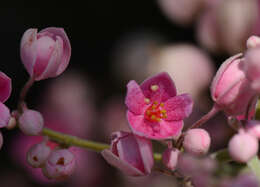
pixel 155 112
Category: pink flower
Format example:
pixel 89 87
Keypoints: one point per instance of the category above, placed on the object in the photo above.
pixel 131 154
pixel 45 54
pixel 60 165
pixel 230 88
pixel 154 110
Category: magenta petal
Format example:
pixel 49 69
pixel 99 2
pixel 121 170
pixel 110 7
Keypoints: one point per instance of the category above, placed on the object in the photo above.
pixel 66 46
pixel 54 62
pixel 178 107
pixel 166 88
pixel 134 98
pixel 128 151
pixel 157 131
pixel 28 49
pixel 123 166
pixel 4 115
pixel 146 151
pixel 5 87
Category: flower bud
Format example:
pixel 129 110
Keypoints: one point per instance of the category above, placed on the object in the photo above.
pixel 170 158
pixel 60 164
pixel 45 54
pixel 230 89
pixel 242 147
pixel 31 122
pixel 4 115
pixel 253 41
pixel 131 154
pixel 38 154
pixel 196 141
pixel 251 67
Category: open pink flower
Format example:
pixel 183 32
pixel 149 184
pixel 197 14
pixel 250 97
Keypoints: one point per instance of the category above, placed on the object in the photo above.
pixel 131 154
pixel 154 110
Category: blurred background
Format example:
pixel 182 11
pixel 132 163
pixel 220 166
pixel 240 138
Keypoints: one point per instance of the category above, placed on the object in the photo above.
pixel 114 42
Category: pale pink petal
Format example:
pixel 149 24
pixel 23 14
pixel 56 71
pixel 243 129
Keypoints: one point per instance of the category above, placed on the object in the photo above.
pixel 166 88
pixel 145 148
pixel 153 130
pixel 4 115
pixel 28 49
pixel 178 107
pixel 120 164
pixel 66 47
pixel 135 100
pixel 54 61
pixel 220 73
pixel 5 87
pixel 128 151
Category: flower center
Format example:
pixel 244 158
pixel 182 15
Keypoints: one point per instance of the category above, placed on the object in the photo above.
pixel 155 112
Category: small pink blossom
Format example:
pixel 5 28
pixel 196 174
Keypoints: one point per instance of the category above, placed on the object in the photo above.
pixel 60 164
pixel 230 88
pixel 45 54
pixel 154 110
pixel 130 153
pixel 243 147
pixel 196 141
pixel 31 122
pixel 38 154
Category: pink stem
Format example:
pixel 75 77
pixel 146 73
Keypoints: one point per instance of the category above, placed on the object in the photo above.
pixel 206 117
pixel 24 92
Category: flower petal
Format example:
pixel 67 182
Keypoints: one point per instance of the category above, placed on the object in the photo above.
pixel 178 107
pixel 4 115
pixel 135 100
pixel 5 87
pixel 128 150
pixel 165 90
pixel 118 163
pixel 66 47
pixel 28 49
pixel 145 148
pixel 156 130
pixel 54 62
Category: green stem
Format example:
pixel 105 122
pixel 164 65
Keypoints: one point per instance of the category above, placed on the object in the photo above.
pixel 78 142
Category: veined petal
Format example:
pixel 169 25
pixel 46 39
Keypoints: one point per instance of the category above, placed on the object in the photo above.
pixel 178 107
pixel 135 100
pixel 159 87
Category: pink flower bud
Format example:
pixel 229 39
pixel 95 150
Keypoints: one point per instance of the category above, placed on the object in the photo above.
pixel 253 41
pixel 38 154
pixel 170 158
pixel 131 154
pixel 242 147
pixel 60 165
pixel 5 88
pixel 251 67
pixel 45 54
pixel 4 115
pixel 31 122
pixel 230 89
pixel 196 141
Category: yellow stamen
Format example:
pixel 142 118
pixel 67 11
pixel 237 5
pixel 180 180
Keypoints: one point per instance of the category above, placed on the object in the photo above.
pixel 153 117
pixel 163 111
pixel 162 104
pixel 154 87
pixel 155 102
pixel 148 112
pixel 147 101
